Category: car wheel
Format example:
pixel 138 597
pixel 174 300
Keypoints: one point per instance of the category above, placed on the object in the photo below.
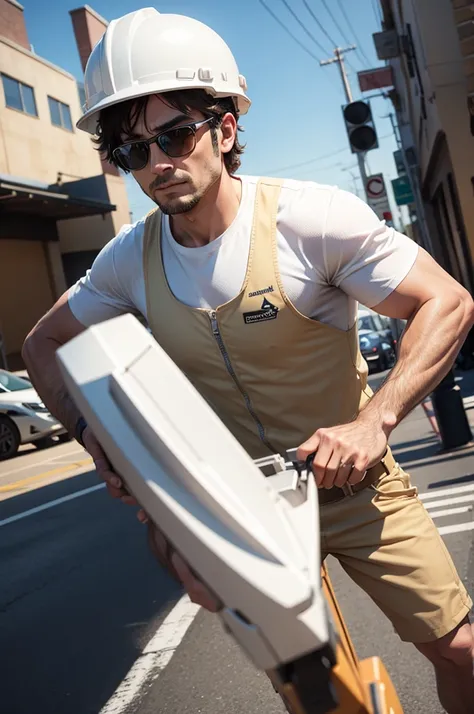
pixel 43 443
pixel 64 438
pixel 9 438
pixel 382 362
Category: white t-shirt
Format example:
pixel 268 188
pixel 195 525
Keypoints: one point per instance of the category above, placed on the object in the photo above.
pixel 333 252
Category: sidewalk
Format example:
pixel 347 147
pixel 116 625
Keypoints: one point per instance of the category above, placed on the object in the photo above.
pixel 418 447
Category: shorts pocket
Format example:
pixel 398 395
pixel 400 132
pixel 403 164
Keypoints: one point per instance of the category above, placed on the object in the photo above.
pixel 396 484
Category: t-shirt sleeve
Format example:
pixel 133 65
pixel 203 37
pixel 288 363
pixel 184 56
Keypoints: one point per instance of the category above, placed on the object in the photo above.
pixel 362 255
pixel 107 289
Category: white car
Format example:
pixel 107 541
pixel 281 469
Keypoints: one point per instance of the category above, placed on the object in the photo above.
pixel 24 419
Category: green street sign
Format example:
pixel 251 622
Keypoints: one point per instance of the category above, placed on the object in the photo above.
pixel 402 191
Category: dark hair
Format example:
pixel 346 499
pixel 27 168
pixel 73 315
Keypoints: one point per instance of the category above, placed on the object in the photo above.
pixel 120 119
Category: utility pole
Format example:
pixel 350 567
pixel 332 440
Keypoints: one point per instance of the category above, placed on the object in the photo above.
pixel 339 59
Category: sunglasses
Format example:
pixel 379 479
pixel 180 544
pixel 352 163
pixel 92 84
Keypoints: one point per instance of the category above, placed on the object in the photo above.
pixel 181 141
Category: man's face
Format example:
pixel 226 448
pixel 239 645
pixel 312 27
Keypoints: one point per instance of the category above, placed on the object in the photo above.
pixel 176 185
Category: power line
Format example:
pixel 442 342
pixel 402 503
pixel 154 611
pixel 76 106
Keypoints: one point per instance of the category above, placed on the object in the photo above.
pixel 344 14
pixel 377 11
pixel 298 42
pixel 322 28
pixel 316 159
pixel 362 57
pixel 310 161
pixel 338 27
pixel 320 25
pixel 303 26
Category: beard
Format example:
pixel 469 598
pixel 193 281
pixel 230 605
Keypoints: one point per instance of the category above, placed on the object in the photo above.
pixel 180 205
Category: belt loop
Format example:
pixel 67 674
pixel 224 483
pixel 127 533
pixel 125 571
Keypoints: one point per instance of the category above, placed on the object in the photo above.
pixel 348 490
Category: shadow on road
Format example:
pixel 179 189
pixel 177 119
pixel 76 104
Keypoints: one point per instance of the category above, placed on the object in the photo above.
pixel 80 594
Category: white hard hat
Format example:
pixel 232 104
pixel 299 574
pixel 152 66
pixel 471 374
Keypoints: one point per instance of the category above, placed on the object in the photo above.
pixel 146 52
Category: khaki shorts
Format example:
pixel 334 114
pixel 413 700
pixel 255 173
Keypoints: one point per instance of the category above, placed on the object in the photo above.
pixel 388 544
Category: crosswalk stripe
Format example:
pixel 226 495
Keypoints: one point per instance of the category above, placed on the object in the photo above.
pixel 450 511
pixel 447 492
pixel 458 528
pixel 449 502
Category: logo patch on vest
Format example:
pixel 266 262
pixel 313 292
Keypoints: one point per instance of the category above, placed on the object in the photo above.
pixel 266 312
pixel 262 292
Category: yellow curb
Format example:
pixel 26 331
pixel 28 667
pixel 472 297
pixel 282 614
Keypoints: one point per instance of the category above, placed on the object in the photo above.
pixel 16 485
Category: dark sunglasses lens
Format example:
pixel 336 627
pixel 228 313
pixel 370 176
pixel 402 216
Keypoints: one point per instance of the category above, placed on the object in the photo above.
pixel 133 157
pixel 177 142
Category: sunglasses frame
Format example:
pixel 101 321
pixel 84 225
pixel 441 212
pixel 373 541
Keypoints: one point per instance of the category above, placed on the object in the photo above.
pixel 194 126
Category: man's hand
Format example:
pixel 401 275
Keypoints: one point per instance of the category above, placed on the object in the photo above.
pixel 113 482
pixel 345 452
pixel 180 570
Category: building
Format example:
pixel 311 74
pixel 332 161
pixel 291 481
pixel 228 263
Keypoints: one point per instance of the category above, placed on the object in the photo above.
pixel 430 46
pixel 59 203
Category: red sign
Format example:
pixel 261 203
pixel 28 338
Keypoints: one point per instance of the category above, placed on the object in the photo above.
pixel 375 186
pixel 379 78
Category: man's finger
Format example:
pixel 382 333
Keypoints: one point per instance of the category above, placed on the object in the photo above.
pixel 344 472
pixel 331 470
pixel 115 492
pixel 309 447
pixel 198 592
pixel 357 475
pixel 320 461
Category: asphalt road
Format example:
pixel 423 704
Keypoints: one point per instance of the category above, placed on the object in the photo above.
pixel 80 596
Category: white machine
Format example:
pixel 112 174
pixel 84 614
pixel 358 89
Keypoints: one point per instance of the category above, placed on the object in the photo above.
pixel 249 529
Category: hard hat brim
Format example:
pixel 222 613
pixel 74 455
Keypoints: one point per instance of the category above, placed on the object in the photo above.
pixel 88 121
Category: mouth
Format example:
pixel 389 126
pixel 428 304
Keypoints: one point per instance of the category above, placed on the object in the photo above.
pixel 169 185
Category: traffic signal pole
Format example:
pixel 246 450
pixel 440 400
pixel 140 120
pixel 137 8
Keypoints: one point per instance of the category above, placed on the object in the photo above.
pixel 339 59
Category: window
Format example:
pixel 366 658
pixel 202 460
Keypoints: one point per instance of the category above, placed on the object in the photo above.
pixel 19 96
pixel 60 114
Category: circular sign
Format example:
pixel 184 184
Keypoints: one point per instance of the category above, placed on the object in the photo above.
pixel 375 187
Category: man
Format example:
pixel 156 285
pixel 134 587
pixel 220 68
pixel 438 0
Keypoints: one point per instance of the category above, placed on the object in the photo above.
pixel 252 286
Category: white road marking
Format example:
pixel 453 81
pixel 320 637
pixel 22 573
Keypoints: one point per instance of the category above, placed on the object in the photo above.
pixel 154 657
pixel 450 511
pixel 40 463
pixel 448 492
pixel 456 495
pixel 459 528
pixel 51 504
pixel 449 501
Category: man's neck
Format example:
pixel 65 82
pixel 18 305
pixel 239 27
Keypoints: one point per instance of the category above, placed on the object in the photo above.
pixel 212 216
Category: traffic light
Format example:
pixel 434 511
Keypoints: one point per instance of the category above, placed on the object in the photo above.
pixel 360 127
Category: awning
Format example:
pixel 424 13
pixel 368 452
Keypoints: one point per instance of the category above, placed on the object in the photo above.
pixel 27 199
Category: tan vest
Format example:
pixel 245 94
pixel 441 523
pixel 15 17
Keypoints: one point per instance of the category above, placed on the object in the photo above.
pixel 272 375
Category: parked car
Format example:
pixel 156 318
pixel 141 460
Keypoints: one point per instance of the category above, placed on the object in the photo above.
pixel 370 321
pixel 24 419
pixel 376 350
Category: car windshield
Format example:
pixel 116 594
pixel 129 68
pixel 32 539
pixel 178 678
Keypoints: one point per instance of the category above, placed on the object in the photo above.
pixel 365 323
pixel 11 383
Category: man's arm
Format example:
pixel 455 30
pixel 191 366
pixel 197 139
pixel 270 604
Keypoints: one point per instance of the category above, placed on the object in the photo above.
pixel 440 313
pixel 56 328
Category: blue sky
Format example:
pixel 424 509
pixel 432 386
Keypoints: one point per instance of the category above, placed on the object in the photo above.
pixel 296 114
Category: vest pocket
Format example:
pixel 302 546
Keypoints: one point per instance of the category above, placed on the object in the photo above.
pixel 396 484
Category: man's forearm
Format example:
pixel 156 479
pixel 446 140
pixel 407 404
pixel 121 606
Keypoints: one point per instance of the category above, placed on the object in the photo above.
pixel 39 355
pixel 431 341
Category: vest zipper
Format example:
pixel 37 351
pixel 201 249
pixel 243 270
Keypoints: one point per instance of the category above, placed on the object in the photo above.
pixel 225 356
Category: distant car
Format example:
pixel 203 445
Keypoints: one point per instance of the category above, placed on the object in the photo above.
pixel 24 419
pixel 370 321
pixel 376 350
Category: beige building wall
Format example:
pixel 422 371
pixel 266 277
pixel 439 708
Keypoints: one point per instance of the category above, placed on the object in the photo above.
pixel 32 147
pixel 442 135
pixel 93 232
pixel 23 301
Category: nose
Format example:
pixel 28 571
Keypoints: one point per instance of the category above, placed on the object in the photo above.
pixel 159 161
